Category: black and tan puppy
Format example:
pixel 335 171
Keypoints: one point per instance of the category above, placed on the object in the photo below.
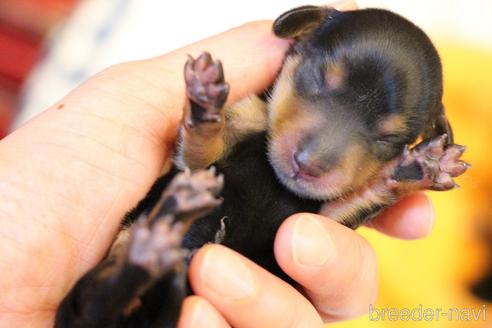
pixel 356 90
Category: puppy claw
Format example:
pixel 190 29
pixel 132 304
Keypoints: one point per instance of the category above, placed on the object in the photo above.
pixel 203 61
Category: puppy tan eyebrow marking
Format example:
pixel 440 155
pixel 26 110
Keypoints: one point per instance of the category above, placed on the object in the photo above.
pixel 394 124
pixel 335 76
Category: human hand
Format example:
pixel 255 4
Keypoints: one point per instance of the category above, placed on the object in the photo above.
pixel 69 175
pixel 334 266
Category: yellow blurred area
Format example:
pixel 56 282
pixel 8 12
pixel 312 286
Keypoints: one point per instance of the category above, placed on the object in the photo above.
pixel 436 272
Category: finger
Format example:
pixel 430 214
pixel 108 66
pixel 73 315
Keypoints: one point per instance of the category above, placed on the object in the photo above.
pixel 254 52
pixel 246 294
pixel 335 266
pixel 197 312
pixel 411 218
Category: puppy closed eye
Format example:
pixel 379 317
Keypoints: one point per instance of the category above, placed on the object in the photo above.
pixel 389 139
pixel 389 146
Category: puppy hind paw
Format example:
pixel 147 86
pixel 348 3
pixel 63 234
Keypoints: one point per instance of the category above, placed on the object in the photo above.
pixel 195 193
pixel 156 247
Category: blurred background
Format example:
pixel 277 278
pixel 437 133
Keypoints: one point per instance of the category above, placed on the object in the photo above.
pixel 47 47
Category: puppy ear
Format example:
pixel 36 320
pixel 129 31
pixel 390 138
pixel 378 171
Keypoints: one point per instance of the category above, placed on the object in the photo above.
pixel 439 126
pixel 299 22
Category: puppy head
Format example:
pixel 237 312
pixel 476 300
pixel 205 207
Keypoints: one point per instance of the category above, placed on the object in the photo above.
pixel 333 120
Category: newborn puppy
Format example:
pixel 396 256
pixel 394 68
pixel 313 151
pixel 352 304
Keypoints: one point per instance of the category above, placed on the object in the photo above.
pixel 356 90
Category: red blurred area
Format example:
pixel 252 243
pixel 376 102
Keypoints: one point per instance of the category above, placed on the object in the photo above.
pixel 23 26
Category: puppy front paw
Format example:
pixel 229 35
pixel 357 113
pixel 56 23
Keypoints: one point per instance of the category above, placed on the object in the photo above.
pixel 433 164
pixel 206 88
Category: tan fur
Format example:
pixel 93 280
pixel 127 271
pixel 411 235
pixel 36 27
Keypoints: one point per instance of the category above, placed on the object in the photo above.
pixel 346 209
pixel 394 124
pixel 249 115
pixel 335 76
pixel 119 246
pixel 200 145
pixel 354 156
pixel 121 242
pixel 284 101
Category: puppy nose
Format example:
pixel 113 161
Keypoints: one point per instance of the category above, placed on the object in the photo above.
pixel 305 164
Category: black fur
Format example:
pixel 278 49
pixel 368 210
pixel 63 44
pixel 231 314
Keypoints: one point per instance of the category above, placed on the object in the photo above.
pixel 392 66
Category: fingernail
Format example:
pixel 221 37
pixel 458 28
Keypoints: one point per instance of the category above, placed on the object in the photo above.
pixel 432 216
pixel 198 316
pixel 312 245
pixel 201 315
pixel 225 273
